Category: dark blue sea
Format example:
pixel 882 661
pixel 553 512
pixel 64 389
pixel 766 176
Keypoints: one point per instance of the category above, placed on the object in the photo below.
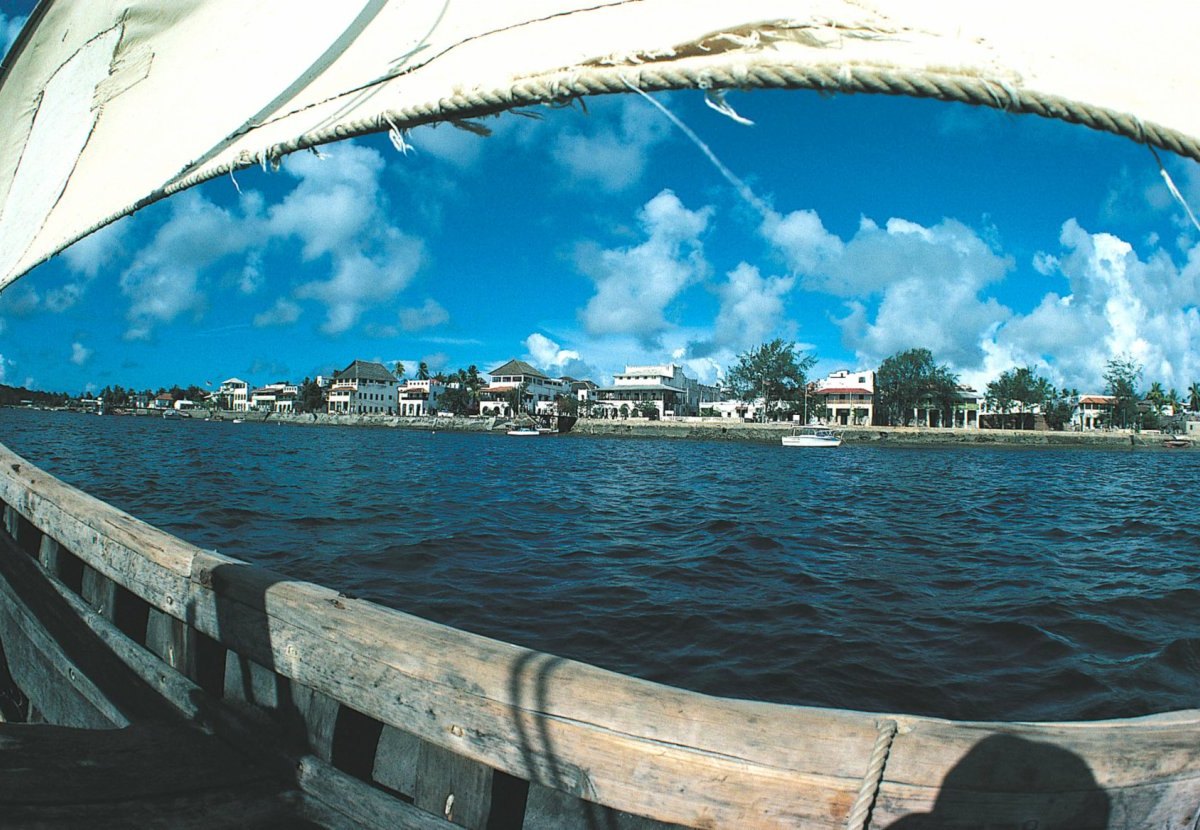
pixel 973 583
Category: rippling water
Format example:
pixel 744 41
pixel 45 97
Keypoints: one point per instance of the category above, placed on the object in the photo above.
pixel 964 583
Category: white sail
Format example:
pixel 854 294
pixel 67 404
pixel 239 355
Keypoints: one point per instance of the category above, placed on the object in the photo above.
pixel 110 105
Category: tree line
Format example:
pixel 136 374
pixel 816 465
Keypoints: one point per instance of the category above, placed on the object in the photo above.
pixel 911 381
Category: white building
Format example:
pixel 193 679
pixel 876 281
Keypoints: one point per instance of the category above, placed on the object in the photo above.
pixel 849 397
pixel 1094 411
pixel 539 393
pixel 363 388
pixel 234 394
pixel 420 397
pixel 664 387
pixel 275 397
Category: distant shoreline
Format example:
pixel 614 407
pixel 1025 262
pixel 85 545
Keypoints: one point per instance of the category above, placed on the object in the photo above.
pixel 713 430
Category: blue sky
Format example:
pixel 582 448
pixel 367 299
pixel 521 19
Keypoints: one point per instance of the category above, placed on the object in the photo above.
pixel 588 238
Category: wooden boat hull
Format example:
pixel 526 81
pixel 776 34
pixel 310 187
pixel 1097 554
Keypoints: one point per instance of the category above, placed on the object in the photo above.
pixel 383 719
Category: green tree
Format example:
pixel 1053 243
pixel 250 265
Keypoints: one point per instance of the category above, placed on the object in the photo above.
pixel 311 397
pixel 422 371
pixel 1194 397
pixel 910 380
pixel 647 410
pixel 1156 397
pixel 1021 390
pixel 773 372
pixel 1122 376
pixel 398 370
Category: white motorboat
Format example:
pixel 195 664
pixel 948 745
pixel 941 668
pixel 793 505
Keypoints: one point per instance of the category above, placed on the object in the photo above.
pixel 812 437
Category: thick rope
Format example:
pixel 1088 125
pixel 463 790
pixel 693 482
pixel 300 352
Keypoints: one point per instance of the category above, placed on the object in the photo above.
pixel 860 813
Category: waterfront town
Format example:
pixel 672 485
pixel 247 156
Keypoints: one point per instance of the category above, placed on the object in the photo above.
pixel 1019 399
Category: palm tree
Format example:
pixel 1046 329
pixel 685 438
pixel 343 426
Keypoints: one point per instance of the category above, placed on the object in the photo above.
pixel 1173 400
pixel 1194 399
pixel 1156 397
pixel 399 370
pixel 422 371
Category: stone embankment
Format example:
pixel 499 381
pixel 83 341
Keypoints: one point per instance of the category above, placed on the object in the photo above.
pixel 716 430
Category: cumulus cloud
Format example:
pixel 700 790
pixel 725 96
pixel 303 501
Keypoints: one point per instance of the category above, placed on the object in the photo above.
pixel 426 316
pixel 80 354
pixel 924 284
pixel 635 285
pixel 4 364
pixel 544 353
pixel 612 154
pixel 1119 303
pixel 163 280
pixel 751 307
pixel 337 211
pixel 283 313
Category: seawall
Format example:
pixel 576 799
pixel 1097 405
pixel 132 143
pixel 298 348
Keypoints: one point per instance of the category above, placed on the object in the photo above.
pixel 713 430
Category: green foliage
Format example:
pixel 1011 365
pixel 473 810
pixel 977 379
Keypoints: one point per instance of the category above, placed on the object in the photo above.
pixel 19 395
pixel 1122 375
pixel 1019 392
pixel 910 380
pixel 773 372
pixel 647 410
pixel 422 371
pixel 311 397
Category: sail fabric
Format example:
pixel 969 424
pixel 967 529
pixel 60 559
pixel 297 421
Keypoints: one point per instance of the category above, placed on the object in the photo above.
pixel 111 104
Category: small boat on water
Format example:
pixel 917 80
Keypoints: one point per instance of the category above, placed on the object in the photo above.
pixel 171 414
pixel 525 432
pixel 1176 443
pixel 812 437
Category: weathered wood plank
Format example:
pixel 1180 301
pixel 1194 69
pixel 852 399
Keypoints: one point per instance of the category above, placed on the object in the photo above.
pixel 100 592
pixel 171 640
pixel 78 681
pixel 396 760
pixel 48 554
pixel 363 804
pixel 454 787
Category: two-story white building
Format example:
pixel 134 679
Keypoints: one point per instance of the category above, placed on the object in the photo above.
pixel 420 397
pixel 1094 411
pixel 848 397
pixel 234 394
pixel 363 388
pixel 664 387
pixel 539 393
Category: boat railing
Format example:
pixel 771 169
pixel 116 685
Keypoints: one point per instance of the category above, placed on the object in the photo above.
pixel 391 720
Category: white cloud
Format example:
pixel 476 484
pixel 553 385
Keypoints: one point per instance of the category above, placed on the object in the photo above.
pixel 613 153
pixel 635 285
pixel 92 253
pixel 545 353
pixel 928 281
pixel 751 307
pixel 338 211
pixel 427 316
pixel 163 280
pixel 80 354
pixel 283 313
pixel 4 364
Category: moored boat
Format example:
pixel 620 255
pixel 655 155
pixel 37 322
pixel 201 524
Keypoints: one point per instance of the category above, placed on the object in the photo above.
pixel 812 437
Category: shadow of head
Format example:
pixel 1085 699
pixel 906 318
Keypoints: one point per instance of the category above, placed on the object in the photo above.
pixel 1009 783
